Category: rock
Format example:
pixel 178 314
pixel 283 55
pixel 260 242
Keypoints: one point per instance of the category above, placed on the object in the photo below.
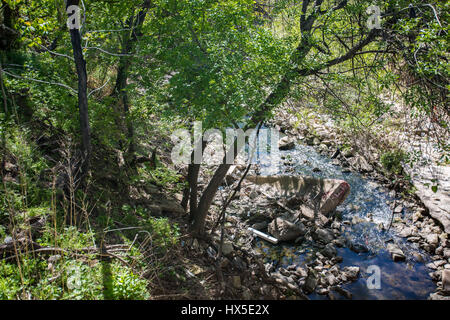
pixel 432 239
pixel 171 206
pixel 286 144
pixel 435 276
pixel 361 164
pixel 323 147
pixel 337 259
pixel 8 240
pixel 260 225
pixel 253 195
pixel 269 267
pixel 310 282
pixel 417 216
pixel 446 253
pixel 406 232
pixel 324 235
pixel 239 263
pixel 285 230
pixel 322 291
pixel 437 296
pixel 246 294
pixel 299 240
pixel 431 265
pixel 54 258
pixel 284 272
pixel 339 242
pixel 291 267
pixel 335 154
pixel 357 220
pixel 418 257
pixel 446 280
pixel 155 210
pixel 329 251
pixel 414 239
pixel 331 279
pixel 309 141
pixel 348 153
pixel 440 263
pixel 351 273
pixel 357 247
pixel 336 225
pixel 396 253
pixel 345 293
pixel 398 209
pixel 227 248
pixel 211 252
pixel 236 281
pixel 300 272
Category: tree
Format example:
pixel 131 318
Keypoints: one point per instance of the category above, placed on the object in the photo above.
pixel 80 65
pixel 129 39
pixel 309 58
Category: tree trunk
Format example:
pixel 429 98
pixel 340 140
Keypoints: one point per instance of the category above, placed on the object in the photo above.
pixel 128 42
pixel 80 65
pixel 273 100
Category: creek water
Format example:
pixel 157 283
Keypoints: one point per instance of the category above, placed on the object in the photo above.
pixel 368 206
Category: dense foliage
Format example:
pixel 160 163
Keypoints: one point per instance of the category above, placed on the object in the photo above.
pixel 82 109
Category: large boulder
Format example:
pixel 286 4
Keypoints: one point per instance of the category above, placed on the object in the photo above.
pixel 285 230
pixel 436 201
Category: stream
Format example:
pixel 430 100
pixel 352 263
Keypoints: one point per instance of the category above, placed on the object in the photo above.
pixel 367 207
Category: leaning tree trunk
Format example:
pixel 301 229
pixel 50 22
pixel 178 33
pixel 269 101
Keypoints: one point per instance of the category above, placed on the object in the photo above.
pixel 80 65
pixel 130 39
pixel 279 93
pixel 276 97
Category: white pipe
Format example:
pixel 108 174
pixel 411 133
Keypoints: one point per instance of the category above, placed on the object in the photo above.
pixel 264 236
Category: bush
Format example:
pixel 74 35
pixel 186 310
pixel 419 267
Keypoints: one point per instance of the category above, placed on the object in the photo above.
pixel 392 161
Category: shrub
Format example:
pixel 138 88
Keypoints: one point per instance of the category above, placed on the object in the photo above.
pixel 392 161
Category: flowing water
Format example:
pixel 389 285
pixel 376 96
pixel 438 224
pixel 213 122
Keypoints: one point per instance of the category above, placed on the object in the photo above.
pixel 368 205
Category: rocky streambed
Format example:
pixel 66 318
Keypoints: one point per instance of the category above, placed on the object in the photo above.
pixel 375 246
